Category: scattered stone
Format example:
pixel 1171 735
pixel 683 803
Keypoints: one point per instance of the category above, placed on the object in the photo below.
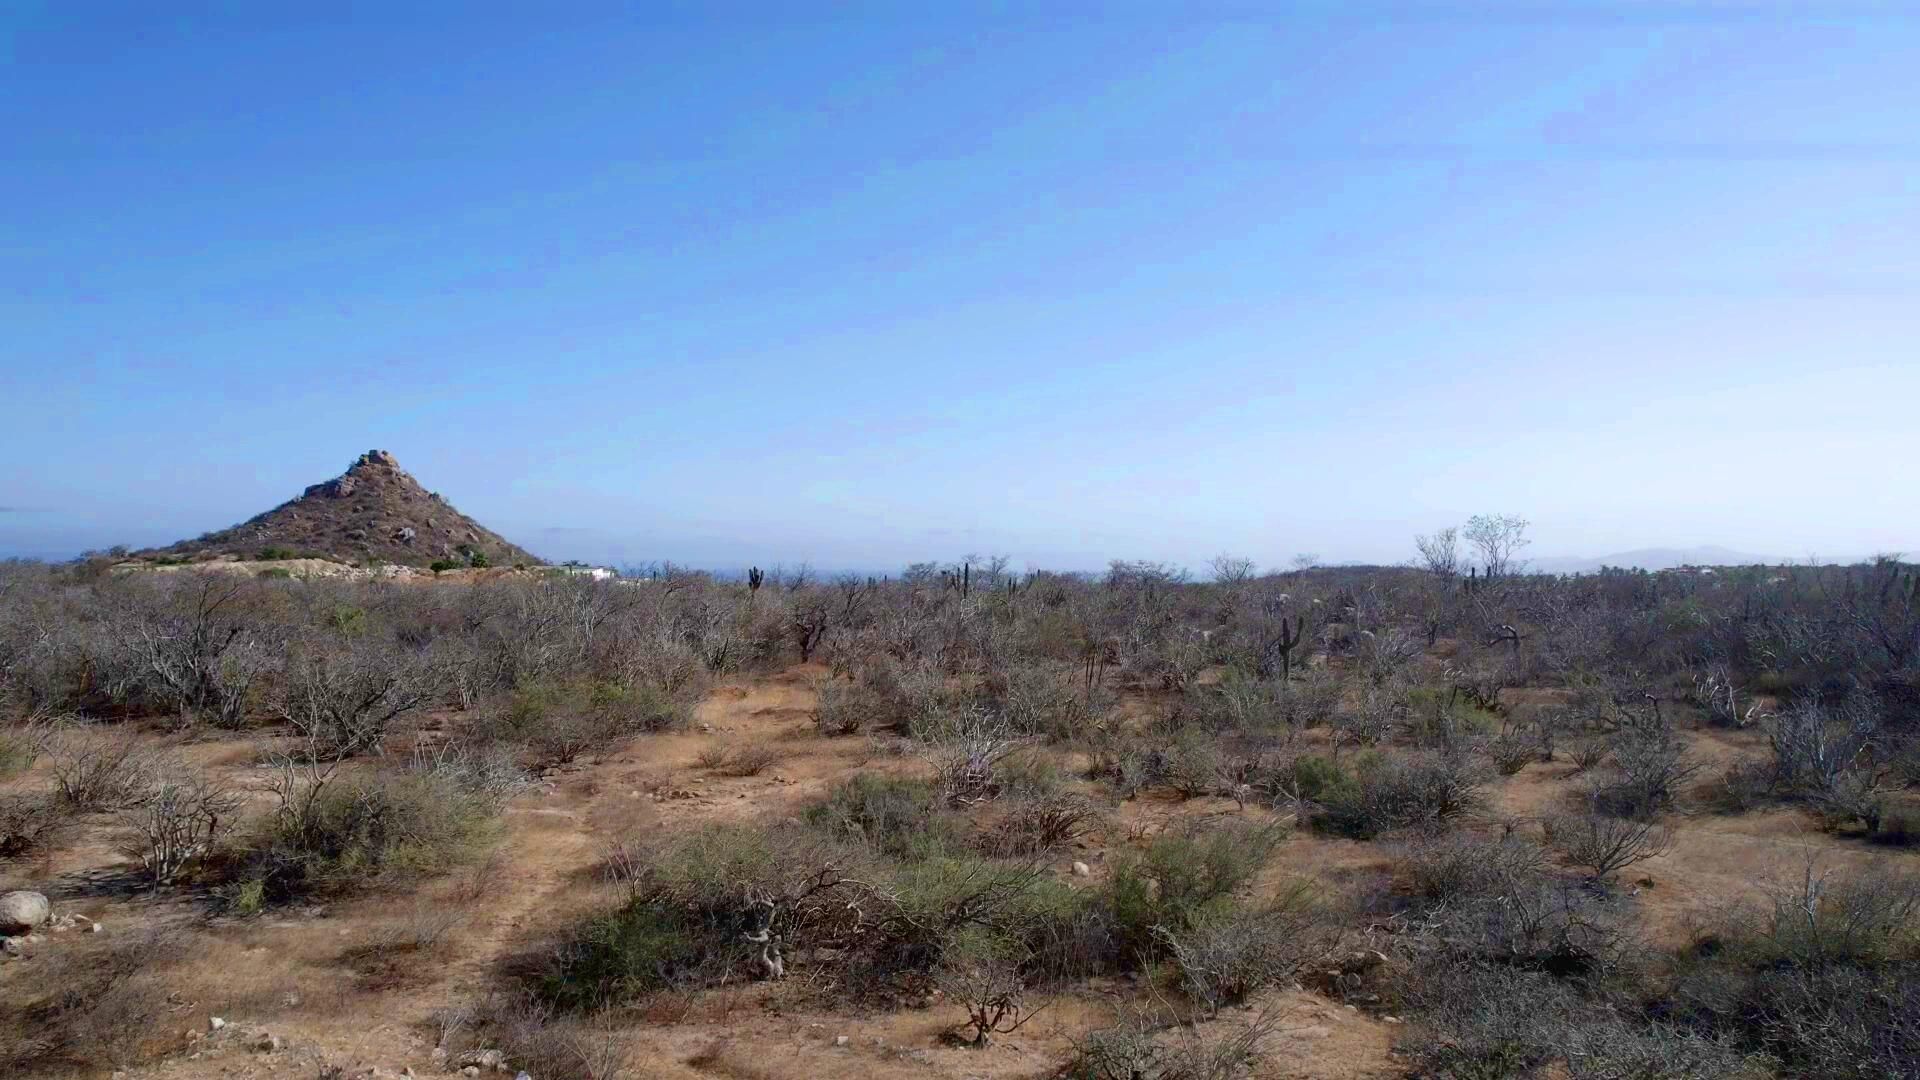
pixel 1081 869
pixel 841 1040
pixel 485 1059
pixel 214 1023
pixel 267 1044
pixel 471 1070
pixel 21 912
pixel 1362 960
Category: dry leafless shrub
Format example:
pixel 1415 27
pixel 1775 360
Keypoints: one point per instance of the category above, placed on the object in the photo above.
pixel 1606 845
pixel 1222 957
pixel 343 702
pixel 1512 752
pixel 982 975
pixel 714 756
pixel 846 707
pixel 1743 786
pixel 93 770
pixel 96 1004
pixel 29 822
pixel 1587 753
pixel 1652 764
pixel 1193 766
pixel 182 818
pixel 1866 918
pixel 197 648
pixel 545 1044
pixel 1041 700
pixel 1815 745
pixel 966 749
pixel 1458 865
pixel 1145 1047
pixel 1042 823
pixel 20 747
pixel 751 760
pixel 1486 1021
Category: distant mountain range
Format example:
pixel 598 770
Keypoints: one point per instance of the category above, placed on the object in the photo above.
pixel 1654 559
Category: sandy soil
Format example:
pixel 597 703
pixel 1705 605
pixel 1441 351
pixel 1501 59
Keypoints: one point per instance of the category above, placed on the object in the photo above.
pixel 316 978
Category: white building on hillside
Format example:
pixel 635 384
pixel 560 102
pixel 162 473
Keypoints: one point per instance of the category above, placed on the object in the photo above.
pixel 597 573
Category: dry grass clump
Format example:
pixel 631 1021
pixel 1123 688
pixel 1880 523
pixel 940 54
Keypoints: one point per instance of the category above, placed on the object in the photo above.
pixel 97 1002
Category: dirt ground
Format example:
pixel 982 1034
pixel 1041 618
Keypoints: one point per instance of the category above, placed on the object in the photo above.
pixel 305 991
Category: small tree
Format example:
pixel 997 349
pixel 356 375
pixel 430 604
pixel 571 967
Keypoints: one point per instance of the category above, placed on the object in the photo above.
pixel 1440 552
pixel 198 654
pixel 98 772
pixel 1606 845
pixel 1498 538
pixel 183 818
pixel 1231 570
pixel 982 974
pixel 344 701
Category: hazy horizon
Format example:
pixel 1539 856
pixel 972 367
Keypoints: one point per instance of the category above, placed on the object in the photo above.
pixel 865 287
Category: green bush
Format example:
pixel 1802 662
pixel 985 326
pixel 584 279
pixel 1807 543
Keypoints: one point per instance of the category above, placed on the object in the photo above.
pixel 1317 779
pixel 558 721
pixel 1223 956
pixel 1179 879
pixel 691 902
pixel 335 835
pixel 1442 716
pixel 1399 794
pixel 898 816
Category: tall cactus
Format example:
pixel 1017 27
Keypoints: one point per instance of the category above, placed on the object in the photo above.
pixel 755 578
pixel 1290 636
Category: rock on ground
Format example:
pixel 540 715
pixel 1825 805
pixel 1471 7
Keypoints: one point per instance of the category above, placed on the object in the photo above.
pixel 21 912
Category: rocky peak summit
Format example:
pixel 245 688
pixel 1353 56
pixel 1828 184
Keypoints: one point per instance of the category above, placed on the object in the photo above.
pixel 374 512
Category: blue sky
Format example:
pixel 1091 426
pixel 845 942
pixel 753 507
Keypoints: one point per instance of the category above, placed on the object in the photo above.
pixel 727 283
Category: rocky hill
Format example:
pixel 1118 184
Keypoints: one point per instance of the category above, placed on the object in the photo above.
pixel 375 512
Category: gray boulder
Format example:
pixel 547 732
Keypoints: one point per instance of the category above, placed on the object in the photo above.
pixel 21 912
